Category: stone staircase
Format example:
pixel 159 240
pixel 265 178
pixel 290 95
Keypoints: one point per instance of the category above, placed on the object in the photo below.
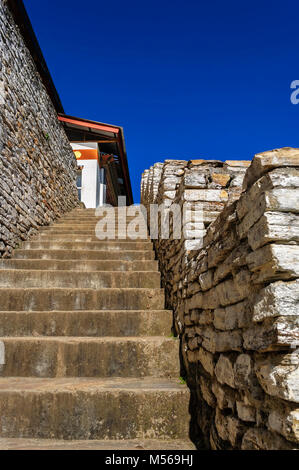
pixel 89 358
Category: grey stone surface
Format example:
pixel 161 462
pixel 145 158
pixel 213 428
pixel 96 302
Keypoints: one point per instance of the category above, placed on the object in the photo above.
pixel 37 165
pixel 235 297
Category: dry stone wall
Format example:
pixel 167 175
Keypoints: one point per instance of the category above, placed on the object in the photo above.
pixel 37 165
pixel 235 296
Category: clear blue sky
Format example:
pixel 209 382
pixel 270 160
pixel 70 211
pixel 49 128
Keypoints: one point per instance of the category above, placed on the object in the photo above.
pixel 186 79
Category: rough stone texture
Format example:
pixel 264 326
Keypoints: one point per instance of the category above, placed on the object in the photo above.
pixel 233 288
pixel 125 445
pixel 37 165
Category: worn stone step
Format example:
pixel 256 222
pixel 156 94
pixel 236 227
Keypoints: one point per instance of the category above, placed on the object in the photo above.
pixel 155 356
pixel 85 255
pixel 75 279
pixel 108 245
pixel 83 224
pixel 88 230
pixel 79 265
pixel 89 408
pixel 92 222
pixel 117 232
pixel 100 213
pixel 90 238
pixel 125 444
pixel 81 299
pixel 89 223
pixel 127 209
pixel 86 323
pixel 92 217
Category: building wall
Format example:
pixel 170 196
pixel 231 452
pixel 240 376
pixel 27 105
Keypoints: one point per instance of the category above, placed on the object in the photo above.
pixel 37 165
pixel 90 182
pixel 87 155
pixel 234 295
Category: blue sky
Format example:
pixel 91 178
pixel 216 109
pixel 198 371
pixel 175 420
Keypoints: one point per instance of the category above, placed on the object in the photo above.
pixel 192 79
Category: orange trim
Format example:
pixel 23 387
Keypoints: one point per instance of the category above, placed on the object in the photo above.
pixel 115 130
pixel 86 154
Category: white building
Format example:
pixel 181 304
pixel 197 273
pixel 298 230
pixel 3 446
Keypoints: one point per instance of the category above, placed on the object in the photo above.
pixel 103 173
pixel 91 178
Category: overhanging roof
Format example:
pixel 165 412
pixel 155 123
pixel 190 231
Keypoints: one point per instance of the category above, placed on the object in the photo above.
pixel 110 138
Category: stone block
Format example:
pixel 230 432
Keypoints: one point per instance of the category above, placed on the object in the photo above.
pixel 205 195
pixel 229 428
pixel 274 261
pixel 220 179
pixel 243 370
pixel 277 300
pixel 278 178
pixel 285 421
pixel 230 292
pixel 278 374
pixel 194 179
pixel 245 412
pixel 275 200
pixel 235 259
pixel 224 321
pixel 226 396
pixel 237 163
pixel 273 334
pixel 274 227
pixel 206 392
pixel 262 439
pixel 206 280
pixel 220 249
pixel 205 317
pixel 267 161
pixel 207 360
pixel 224 371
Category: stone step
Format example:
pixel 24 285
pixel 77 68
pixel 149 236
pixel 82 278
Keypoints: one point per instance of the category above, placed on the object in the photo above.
pixel 84 255
pixel 86 323
pixel 86 224
pixel 81 299
pixel 82 266
pixel 85 359
pixel 90 408
pixel 122 209
pixel 92 221
pixel 122 445
pixel 92 217
pixel 91 238
pixel 83 224
pixel 113 245
pixel 88 230
pixel 91 231
pixel 155 356
pixel 81 280
pixel 99 213
pixel 95 219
